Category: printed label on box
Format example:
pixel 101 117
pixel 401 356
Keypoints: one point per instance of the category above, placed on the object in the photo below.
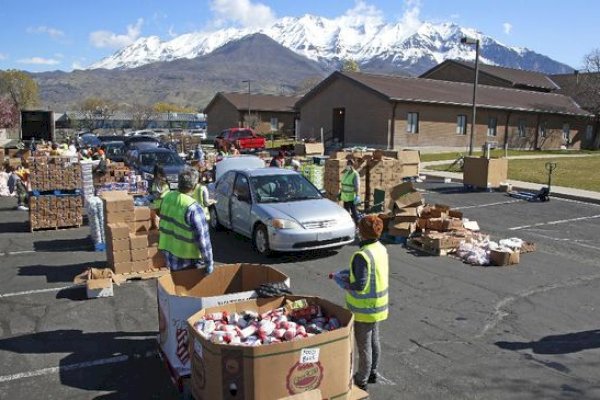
pixel 309 356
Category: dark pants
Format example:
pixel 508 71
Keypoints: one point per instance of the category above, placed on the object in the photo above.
pixel 367 343
pixel 22 198
pixel 351 208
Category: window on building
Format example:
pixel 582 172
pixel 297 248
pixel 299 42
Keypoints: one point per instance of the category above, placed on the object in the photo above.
pixel 589 132
pixel 461 124
pixel 566 131
pixel 274 124
pixel 492 126
pixel 543 129
pixel 412 122
pixel 522 127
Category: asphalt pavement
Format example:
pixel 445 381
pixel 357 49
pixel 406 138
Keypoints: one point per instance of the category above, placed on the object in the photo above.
pixel 455 331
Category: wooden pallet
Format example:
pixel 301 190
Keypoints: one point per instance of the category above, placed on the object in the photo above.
pixel 54 228
pixel 143 275
pixel 418 245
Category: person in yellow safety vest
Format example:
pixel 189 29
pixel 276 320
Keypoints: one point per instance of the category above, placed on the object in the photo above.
pixel 158 189
pixel 184 237
pixel 350 190
pixel 202 197
pixel 367 297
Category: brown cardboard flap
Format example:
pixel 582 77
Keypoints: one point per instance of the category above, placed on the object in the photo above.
pixel 310 395
pixel 92 274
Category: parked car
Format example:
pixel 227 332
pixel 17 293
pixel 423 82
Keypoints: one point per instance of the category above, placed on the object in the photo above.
pixel 115 150
pixel 134 140
pixel 280 210
pixel 201 133
pixel 146 158
pixel 88 140
pixel 245 139
pixel 111 138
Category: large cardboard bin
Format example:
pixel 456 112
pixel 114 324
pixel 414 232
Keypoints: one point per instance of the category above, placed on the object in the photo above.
pixel 485 173
pixel 270 372
pixel 181 294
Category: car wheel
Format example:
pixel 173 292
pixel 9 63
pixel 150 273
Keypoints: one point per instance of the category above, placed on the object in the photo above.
pixel 214 222
pixel 260 240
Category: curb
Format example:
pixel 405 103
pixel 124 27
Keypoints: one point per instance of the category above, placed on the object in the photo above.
pixel 568 196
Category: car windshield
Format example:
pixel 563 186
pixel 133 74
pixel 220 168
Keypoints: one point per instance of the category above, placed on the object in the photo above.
pixel 114 149
pixel 282 188
pixel 163 158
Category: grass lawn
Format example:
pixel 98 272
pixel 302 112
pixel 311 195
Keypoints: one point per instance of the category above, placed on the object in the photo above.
pixel 274 144
pixel 580 173
pixel 499 153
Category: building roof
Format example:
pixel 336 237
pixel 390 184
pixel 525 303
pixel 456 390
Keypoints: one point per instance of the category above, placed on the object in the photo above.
pixel 431 91
pixel 580 87
pixel 258 102
pixel 517 78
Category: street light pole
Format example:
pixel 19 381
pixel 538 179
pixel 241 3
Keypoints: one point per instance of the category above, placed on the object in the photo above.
pixel 467 40
pixel 248 81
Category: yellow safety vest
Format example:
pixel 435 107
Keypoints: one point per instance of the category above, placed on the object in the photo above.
pixel 176 236
pixel 348 192
pixel 200 199
pixel 371 303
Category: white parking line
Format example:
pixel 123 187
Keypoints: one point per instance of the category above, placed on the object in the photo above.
pixel 488 205
pixel 560 221
pixel 26 292
pixel 76 366
pixel 14 253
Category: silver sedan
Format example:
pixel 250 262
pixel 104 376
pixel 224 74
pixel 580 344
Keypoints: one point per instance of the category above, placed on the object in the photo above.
pixel 280 210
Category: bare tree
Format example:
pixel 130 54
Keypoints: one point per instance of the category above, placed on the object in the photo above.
pixel 142 115
pixel 95 112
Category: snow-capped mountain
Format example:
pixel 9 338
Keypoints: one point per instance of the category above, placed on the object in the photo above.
pixel 370 42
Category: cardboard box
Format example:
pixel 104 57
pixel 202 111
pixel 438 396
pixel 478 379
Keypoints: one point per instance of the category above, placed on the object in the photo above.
pixel 485 173
pixel 405 218
pixel 98 282
pixel 451 224
pixel 273 371
pixel 116 231
pixel 309 149
pixel 409 156
pixel 113 246
pixel 122 267
pixel 140 255
pixel 156 258
pixel 116 257
pixel 455 214
pixel 140 226
pixel 153 237
pixel 137 241
pixel 310 395
pixel 117 202
pixel 140 265
pixel 501 258
pixel 141 213
pixel 409 199
pixel 180 294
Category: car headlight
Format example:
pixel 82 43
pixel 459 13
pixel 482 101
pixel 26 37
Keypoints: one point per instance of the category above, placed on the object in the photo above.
pixel 147 176
pixel 280 223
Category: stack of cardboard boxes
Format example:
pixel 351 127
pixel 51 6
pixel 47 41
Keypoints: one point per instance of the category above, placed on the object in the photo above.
pixel 115 172
pixel 131 243
pixel 403 203
pixel 51 211
pixel 54 173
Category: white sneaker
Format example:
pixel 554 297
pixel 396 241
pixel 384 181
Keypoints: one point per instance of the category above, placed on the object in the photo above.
pixel 22 208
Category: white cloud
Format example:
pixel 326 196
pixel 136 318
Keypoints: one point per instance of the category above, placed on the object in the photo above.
pixel 52 32
pixel 410 18
pixel 107 39
pixel 39 61
pixel 3 56
pixel 454 16
pixel 361 13
pixel 76 65
pixel 242 12
pixel 172 32
pixel 507 27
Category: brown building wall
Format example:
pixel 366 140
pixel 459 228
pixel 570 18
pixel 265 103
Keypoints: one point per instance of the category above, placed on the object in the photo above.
pixel 438 123
pixel 457 73
pixel 285 122
pixel 221 115
pixel 367 115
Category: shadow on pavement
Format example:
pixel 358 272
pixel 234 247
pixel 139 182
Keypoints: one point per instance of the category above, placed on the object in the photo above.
pixel 224 242
pixel 124 363
pixel 60 245
pixel 56 273
pixel 14 227
pixel 558 344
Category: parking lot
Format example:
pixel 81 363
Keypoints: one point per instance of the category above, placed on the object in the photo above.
pixel 455 331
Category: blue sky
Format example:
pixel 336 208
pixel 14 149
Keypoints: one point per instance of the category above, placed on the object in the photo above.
pixel 40 35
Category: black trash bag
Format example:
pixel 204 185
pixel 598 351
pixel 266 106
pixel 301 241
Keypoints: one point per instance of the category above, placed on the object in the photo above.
pixel 273 290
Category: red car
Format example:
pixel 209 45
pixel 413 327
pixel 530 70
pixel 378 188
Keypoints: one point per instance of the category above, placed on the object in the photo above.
pixel 245 139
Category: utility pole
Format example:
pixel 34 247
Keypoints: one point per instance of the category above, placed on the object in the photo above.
pixel 467 40
pixel 248 81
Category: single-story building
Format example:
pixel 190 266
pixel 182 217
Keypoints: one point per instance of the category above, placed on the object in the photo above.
pixel 355 108
pixel 264 113
pixel 462 71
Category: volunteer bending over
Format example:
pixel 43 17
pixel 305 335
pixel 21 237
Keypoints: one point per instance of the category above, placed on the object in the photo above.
pixel 184 234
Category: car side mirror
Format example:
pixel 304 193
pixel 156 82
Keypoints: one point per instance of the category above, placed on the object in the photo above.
pixel 323 192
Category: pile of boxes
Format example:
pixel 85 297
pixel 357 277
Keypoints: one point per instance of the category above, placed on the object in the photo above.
pixel 115 172
pixel 51 211
pixel 54 173
pixel 131 243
